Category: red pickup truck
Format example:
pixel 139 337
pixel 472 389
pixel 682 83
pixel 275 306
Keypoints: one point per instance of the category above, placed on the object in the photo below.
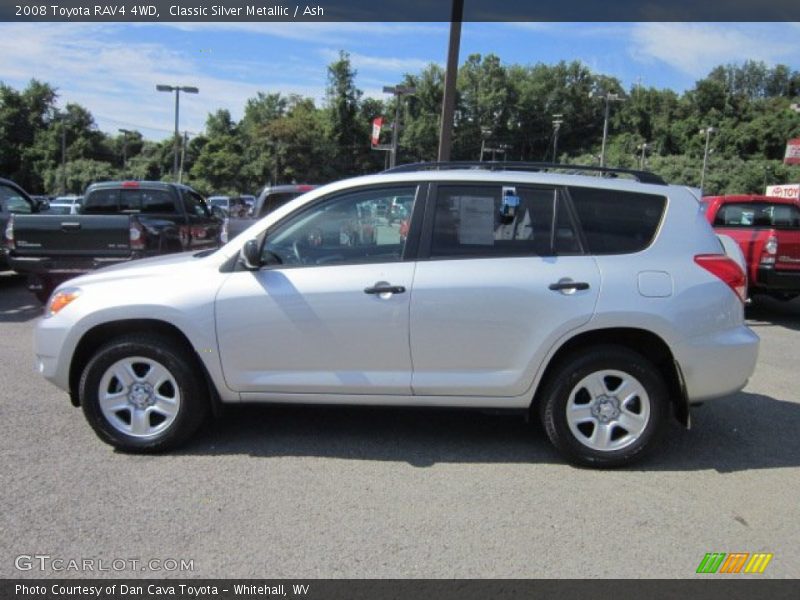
pixel 767 230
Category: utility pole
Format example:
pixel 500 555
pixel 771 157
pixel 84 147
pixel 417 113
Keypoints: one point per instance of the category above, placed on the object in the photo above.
pixel 609 97
pixel 449 99
pixel 644 147
pixel 557 122
pixel 707 131
pixel 183 155
pixel 399 91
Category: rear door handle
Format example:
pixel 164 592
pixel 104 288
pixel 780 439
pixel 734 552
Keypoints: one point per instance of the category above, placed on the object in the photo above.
pixel 569 285
pixel 380 288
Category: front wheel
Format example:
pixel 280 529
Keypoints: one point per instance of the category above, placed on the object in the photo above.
pixel 605 407
pixel 141 393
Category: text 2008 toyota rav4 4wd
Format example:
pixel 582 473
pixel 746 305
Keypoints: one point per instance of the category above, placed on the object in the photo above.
pixel 602 304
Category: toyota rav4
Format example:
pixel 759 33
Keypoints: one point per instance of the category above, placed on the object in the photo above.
pixel 603 305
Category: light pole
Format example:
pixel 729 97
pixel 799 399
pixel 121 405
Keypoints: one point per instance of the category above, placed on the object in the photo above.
pixel 707 131
pixel 177 89
pixel 399 91
pixel 125 133
pixel 644 147
pixel 609 99
pixel 557 121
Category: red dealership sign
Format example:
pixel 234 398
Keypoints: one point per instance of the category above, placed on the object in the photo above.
pixel 377 124
pixel 792 156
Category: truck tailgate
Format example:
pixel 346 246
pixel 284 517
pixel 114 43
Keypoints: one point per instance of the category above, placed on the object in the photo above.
pixel 100 236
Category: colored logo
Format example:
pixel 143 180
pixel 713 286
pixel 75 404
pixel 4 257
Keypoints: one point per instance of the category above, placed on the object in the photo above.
pixel 734 562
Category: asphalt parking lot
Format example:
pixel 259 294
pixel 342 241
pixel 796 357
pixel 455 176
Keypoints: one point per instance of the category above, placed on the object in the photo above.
pixel 346 492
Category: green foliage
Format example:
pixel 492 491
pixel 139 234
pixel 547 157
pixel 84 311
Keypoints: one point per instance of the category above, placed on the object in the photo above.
pixel 510 108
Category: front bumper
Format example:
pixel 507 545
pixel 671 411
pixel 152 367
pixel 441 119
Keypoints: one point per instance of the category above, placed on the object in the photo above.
pixel 52 345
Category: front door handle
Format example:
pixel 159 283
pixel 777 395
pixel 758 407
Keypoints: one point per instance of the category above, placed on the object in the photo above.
pixel 566 285
pixel 384 288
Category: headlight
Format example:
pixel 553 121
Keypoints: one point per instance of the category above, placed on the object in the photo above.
pixel 60 300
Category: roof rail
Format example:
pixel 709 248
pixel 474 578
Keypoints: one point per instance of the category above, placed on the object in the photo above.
pixel 640 176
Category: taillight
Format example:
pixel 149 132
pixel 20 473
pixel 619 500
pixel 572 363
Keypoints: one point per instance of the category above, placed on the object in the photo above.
pixel 727 269
pixel 136 236
pixel 10 233
pixel 223 233
pixel 769 251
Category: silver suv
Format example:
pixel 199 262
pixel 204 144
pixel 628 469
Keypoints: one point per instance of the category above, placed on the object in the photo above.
pixel 602 304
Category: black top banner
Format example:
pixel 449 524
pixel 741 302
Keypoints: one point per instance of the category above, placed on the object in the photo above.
pixel 400 10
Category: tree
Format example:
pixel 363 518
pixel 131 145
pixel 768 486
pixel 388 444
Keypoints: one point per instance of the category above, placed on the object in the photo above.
pixel 349 137
pixel 218 166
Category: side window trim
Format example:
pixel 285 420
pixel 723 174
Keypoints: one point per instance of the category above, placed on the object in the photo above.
pixel 565 196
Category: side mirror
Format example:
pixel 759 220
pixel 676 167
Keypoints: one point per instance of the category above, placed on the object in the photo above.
pixel 42 205
pixel 217 212
pixel 250 255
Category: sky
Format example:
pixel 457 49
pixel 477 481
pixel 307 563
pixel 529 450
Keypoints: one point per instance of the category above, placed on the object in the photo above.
pixel 112 68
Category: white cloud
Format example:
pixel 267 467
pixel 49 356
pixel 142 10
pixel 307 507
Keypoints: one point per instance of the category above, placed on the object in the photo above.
pixel 382 63
pixel 116 80
pixel 696 48
pixel 315 33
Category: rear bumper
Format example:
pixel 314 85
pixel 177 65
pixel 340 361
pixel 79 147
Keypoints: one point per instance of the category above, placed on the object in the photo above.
pixel 768 278
pixel 718 364
pixel 45 265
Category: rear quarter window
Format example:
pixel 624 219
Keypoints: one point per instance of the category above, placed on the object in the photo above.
pixel 617 222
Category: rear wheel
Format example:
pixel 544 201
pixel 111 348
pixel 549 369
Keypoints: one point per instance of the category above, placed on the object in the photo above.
pixel 605 407
pixel 141 393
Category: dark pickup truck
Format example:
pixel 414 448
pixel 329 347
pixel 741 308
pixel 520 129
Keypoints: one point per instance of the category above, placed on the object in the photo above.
pixel 14 201
pixel 270 198
pixel 119 221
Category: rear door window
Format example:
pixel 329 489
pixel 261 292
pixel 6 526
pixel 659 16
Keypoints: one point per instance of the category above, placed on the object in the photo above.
pixel 743 214
pixel 617 222
pixel 468 223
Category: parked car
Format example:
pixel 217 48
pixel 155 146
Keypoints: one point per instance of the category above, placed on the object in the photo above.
pixel 14 201
pixel 231 206
pixel 269 199
pixel 250 202
pixel 119 222
pixel 65 205
pixel 600 304
pixel 767 230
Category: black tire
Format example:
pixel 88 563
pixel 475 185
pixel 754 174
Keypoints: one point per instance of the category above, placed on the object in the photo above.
pixel 41 287
pixel 554 402
pixel 193 406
